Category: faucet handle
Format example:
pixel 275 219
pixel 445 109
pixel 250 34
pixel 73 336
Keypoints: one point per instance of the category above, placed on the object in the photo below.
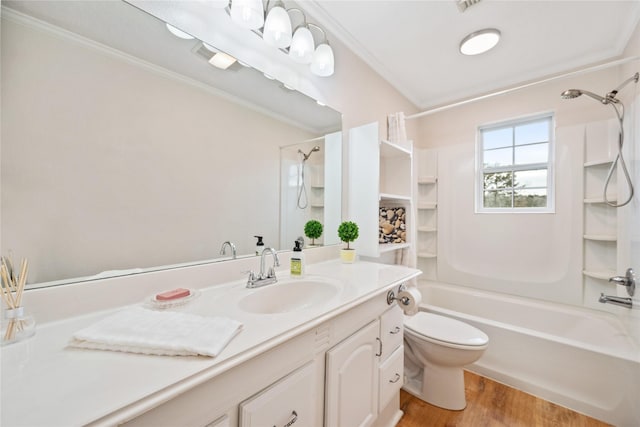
pixel 628 280
pixel 252 276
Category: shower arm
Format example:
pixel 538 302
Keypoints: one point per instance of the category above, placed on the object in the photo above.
pixel 633 78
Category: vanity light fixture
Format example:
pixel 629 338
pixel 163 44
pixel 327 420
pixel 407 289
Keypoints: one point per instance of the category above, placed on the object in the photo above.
pixel 222 60
pixel 479 41
pixel 248 13
pixel 179 33
pixel 277 32
pixel 277 27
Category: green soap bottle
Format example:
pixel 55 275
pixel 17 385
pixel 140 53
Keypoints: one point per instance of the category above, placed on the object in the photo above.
pixel 297 260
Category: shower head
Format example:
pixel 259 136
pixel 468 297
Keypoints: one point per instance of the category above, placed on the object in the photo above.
pixel 306 156
pixel 574 93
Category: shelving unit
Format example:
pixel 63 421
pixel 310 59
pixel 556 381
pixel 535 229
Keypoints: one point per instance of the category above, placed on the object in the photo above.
pixel 380 176
pixel 426 191
pixel 600 229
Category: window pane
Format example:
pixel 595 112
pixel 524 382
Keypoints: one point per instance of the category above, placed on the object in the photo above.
pixel 530 198
pixel 532 178
pixel 497 158
pixel 532 132
pixel 538 153
pixel 495 181
pixel 497 138
pixel 497 199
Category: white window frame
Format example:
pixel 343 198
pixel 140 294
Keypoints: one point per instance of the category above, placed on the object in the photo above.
pixel 549 165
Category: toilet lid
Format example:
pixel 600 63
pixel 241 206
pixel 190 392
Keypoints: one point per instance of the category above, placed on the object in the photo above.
pixel 445 329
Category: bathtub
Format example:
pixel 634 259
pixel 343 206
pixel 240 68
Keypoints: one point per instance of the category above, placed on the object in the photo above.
pixel 577 358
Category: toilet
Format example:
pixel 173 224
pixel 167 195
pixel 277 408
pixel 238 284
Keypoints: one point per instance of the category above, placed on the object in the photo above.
pixel 436 350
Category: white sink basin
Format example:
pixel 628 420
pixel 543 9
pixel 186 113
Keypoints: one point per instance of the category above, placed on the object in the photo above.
pixel 290 295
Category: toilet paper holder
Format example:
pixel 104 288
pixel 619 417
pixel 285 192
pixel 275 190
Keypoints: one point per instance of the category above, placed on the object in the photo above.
pixel 391 296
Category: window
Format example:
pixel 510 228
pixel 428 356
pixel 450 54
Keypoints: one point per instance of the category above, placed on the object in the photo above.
pixel 515 166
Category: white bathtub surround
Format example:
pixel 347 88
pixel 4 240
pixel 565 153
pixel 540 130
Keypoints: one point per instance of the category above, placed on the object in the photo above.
pixel 578 358
pixel 109 388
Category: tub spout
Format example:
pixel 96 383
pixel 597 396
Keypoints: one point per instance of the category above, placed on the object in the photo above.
pixel 622 302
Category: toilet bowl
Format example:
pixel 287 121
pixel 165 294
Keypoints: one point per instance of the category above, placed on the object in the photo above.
pixel 436 350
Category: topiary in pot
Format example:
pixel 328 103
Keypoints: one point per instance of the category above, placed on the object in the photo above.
pixel 348 232
pixel 313 230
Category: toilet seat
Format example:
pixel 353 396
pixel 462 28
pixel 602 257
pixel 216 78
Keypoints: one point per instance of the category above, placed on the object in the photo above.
pixel 445 331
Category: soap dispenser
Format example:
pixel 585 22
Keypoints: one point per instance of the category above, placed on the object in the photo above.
pixel 259 245
pixel 297 260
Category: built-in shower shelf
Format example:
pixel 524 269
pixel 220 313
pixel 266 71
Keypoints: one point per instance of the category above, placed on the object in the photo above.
pixel 598 163
pixel 599 274
pixel 427 229
pixel 601 237
pixel 426 206
pixel 426 180
pixel 427 255
pixel 595 200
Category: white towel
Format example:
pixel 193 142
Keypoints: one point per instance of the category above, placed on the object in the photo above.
pixel 139 330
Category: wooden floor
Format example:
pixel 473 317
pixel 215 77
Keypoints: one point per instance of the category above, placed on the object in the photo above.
pixel 492 404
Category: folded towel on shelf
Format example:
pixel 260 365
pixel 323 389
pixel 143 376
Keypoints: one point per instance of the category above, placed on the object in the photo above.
pixel 170 333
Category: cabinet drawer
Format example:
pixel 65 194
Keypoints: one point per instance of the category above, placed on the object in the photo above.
pixel 391 377
pixel 391 330
pixel 289 402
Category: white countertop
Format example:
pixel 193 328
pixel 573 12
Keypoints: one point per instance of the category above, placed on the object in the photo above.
pixel 46 383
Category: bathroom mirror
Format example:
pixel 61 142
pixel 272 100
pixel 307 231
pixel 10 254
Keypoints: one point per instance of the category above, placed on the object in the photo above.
pixel 124 150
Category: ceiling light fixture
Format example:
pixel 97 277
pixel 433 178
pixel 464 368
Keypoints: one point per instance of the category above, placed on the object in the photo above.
pixel 479 41
pixel 222 60
pixel 178 33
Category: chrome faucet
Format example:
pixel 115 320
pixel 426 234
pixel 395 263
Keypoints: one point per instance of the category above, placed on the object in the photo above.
pixel 264 279
pixel 622 302
pixel 224 247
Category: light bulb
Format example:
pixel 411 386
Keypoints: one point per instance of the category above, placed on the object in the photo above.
pixel 248 13
pixel 322 63
pixel 277 28
pixel 302 46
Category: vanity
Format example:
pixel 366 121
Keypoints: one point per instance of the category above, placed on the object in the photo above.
pixel 335 362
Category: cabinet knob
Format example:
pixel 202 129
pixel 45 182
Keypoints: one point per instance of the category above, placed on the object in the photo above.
pixel 395 379
pixel 395 330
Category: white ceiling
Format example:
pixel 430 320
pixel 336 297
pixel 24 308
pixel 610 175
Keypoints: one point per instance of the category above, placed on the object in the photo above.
pixel 414 44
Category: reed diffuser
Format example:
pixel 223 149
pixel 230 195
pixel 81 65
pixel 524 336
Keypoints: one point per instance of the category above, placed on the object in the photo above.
pixel 16 325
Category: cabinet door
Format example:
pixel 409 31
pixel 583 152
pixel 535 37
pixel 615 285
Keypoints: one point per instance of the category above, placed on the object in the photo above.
pixel 391 376
pixel 352 379
pixel 289 402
